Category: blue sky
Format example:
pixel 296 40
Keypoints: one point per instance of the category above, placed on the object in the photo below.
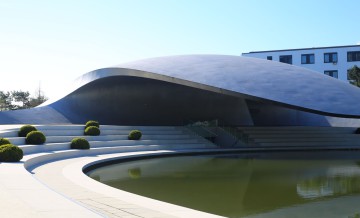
pixel 53 42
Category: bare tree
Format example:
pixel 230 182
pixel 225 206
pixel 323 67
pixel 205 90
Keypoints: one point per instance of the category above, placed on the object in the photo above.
pixel 38 98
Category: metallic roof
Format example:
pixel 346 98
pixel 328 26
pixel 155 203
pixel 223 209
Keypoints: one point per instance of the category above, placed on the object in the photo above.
pixel 274 81
pixel 254 78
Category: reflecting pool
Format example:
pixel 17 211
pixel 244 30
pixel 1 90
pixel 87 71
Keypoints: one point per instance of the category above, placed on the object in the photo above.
pixel 283 184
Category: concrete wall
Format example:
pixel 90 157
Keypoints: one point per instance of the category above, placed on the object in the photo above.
pixel 142 101
pixel 274 115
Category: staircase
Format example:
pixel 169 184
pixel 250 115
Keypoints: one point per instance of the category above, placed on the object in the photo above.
pixel 300 136
pixel 112 138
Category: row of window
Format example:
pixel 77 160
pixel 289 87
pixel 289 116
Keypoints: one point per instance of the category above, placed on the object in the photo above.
pixel 334 73
pixel 328 58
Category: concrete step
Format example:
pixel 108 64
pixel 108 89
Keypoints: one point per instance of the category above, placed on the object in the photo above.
pixel 303 144
pixel 28 149
pixel 32 149
pixel 102 127
pixel 297 128
pixel 109 132
pixel 143 142
pixel 302 135
pixel 307 139
pixel 7 134
pixel 57 139
pixel 42 156
pixel 250 132
pixel 52 130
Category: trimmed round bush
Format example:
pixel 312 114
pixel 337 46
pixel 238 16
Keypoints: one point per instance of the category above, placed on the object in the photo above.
pixel 134 135
pixel 4 141
pixel 92 130
pixel 24 130
pixel 79 143
pixel 35 138
pixel 92 123
pixel 10 153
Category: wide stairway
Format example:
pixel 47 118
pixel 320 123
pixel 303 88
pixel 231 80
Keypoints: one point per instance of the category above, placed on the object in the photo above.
pixel 111 140
pixel 300 136
pixel 19 185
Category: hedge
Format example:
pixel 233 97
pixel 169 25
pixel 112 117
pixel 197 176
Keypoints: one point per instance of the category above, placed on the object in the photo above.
pixel 10 153
pixel 4 141
pixel 134 135
pixel 24 130
pixel 35 137
pixel 79 143
pixel 92 123
pixel 92 130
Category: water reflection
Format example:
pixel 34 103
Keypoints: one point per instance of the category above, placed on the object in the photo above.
pixel 336 181
pixel 264 185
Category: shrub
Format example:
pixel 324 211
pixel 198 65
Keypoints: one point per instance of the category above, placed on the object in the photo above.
pixel 10 153
pixel 134 135
pixel 92 130
pixel 24 130
pixel 4 141
pixel 92 123
pixel 357 131
pixel 35 137
pixel 79 143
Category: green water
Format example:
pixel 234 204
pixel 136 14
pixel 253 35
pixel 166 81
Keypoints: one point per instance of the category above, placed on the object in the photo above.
pixel 323 184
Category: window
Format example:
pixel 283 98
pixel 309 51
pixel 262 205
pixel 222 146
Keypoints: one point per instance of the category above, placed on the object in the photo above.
pixel 307 58
pixel 332 73
pixel 286 59
pixel 353 56
pixel 330 57
pixel 269 58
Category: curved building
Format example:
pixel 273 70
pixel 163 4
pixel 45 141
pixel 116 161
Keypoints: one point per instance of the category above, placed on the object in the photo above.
pixel 177 90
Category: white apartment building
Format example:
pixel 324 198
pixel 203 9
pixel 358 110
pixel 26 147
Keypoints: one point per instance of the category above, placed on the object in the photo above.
pixel 333 61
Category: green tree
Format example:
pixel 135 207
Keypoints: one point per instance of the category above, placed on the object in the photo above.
pixel 22 98
pixel 6 101
pixel 15 100
pixel 354 75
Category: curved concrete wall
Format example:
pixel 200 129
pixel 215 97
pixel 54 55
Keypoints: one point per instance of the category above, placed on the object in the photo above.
pixel 142 101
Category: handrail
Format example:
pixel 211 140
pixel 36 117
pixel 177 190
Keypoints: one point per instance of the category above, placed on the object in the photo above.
pixel 202 128
pixel 202 131
pixel 236 133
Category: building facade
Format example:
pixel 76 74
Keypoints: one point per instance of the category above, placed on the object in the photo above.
pixel 332 61
pixel 180 90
